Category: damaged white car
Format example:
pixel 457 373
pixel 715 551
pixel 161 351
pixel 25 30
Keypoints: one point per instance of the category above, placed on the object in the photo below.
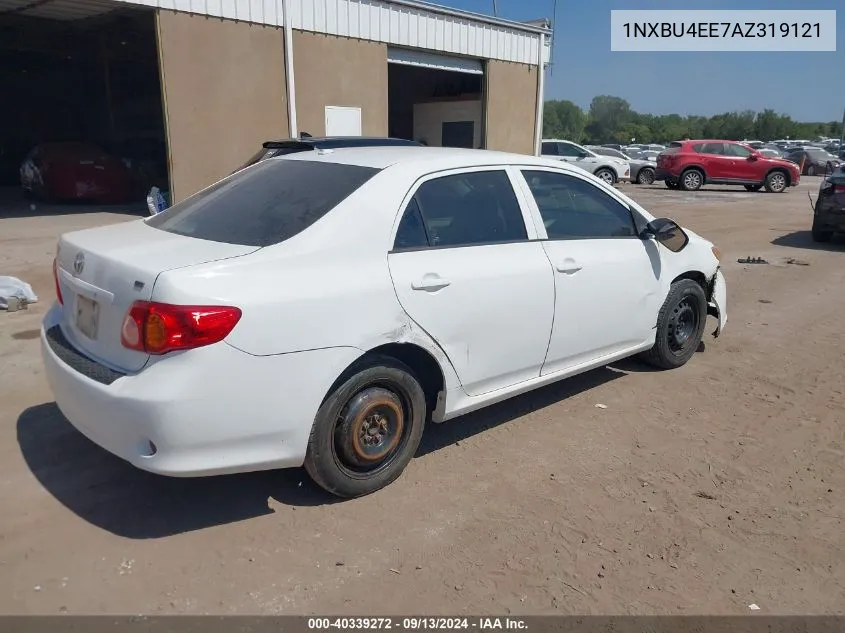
pixel 320 308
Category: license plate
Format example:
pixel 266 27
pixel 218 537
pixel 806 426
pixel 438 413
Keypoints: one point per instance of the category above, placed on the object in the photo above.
pixel 87 316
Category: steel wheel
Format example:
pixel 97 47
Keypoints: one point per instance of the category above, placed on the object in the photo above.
pixel 369 430
pixel 683 325
pixel 692 180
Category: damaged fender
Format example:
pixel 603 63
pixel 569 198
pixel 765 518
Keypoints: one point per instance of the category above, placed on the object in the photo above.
pixel 718 301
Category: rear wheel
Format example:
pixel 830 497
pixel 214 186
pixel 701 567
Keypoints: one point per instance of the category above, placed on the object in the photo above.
pixel 680 326
pixel 811 170
pixel 821 234
pixel 692 180
pixel 607 175
pixel 776 182
pixel 645 176
pixel 368 429
pixel 753 187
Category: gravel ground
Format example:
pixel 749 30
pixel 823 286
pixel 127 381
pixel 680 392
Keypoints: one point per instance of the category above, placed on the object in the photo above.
pixel 700 490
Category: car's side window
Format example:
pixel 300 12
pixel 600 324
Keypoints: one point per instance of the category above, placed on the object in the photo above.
pixel 573 208
pixel 736 151
pixel 565 149
pixel 715 149
pixel 470 209
pixel 411 232
pixel 549 149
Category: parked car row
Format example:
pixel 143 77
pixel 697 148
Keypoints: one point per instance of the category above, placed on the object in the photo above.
pixel 611 169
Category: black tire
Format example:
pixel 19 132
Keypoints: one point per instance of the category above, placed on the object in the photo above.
pixel 645 176
pixel 753 187
pixel 691 180
pixel 680 326
pixel 671 184
pixel 776 182
pixel 607 175
pixel 821 234
pixel 811 170
pixel 380 393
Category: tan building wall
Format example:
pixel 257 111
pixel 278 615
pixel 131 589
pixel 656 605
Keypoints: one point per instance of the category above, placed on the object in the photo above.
pixel 224 94
pixel 338 71
pixel 511 106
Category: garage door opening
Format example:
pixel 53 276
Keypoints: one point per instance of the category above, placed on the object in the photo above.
pixel 82 117
pixel 435 100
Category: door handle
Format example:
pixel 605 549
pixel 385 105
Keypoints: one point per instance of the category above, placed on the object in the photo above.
pixel 430 283
pixel 569 267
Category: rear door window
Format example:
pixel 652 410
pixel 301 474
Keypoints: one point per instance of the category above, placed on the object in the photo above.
pixel 264 204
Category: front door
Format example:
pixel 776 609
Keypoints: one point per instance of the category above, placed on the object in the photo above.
pixel 743 165
pixel 607 279
pixel 466 271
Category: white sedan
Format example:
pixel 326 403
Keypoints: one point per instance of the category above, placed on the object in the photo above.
pixel 319 308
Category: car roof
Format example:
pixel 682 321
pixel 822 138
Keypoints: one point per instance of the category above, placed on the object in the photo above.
pixel 338 141
pixel 427 158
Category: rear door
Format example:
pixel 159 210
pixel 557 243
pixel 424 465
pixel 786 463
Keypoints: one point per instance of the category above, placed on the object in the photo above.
pixel 467 271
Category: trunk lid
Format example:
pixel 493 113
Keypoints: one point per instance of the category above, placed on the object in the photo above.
pixel 102 271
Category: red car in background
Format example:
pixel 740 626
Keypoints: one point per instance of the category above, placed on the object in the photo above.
pixel 689 165
pixel 64 172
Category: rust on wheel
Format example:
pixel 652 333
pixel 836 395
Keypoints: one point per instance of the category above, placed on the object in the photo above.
pixel 370 429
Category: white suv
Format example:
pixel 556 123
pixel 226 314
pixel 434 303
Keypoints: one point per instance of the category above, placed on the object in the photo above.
pixel 608 168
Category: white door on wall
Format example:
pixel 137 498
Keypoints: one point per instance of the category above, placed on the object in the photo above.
pixel 343 121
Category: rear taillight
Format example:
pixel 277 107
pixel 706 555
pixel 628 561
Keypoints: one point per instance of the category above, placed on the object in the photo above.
pixel 56 281
pixel 158 328
pixel 838 188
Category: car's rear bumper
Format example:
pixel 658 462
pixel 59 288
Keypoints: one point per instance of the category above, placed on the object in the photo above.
pixel 209 411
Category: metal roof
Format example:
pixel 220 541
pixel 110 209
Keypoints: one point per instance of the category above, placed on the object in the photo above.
pixel 64 10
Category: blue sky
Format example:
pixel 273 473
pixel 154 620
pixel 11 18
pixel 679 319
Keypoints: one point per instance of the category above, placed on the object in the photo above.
pixel 806 86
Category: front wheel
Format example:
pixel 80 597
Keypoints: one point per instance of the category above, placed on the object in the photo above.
pixel 367 430
pixel 811 170
pixel 776 182
pixel 680 326
pixel 607 175
pixel 646 176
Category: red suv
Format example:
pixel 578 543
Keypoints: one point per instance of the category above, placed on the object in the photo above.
pixel 690 164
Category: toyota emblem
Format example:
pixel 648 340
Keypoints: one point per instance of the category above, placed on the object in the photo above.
pixel 79 263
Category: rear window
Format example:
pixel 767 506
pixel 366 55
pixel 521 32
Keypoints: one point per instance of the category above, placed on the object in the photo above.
pixel 265 204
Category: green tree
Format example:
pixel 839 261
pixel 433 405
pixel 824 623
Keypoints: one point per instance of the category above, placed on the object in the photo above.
pixel 563 119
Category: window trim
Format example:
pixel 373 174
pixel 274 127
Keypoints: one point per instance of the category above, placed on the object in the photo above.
pixel 637 219
pixel 525 210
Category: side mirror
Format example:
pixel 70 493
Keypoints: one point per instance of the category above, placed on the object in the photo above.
pixel 666 232
pixel 753 157
pixel 583 155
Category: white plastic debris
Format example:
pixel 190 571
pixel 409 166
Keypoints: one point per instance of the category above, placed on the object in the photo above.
pixel 601 406
pixel 753 607
pixel 15 292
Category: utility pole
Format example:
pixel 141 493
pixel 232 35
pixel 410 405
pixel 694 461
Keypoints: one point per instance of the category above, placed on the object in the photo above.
pixel 842 133
pixel 495 8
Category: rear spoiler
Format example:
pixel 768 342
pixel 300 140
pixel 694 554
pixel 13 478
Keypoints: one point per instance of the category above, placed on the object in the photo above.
pixel 295 145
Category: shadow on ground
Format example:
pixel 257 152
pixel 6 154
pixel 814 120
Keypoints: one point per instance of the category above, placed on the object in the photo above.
pixel 804 239
pixel 114 496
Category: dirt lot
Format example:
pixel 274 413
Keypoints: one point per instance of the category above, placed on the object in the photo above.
pixel 701 490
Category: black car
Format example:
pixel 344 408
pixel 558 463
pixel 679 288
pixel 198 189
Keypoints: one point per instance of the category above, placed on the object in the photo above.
pixel 817 162
pixel 309 143
pixel 829 210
